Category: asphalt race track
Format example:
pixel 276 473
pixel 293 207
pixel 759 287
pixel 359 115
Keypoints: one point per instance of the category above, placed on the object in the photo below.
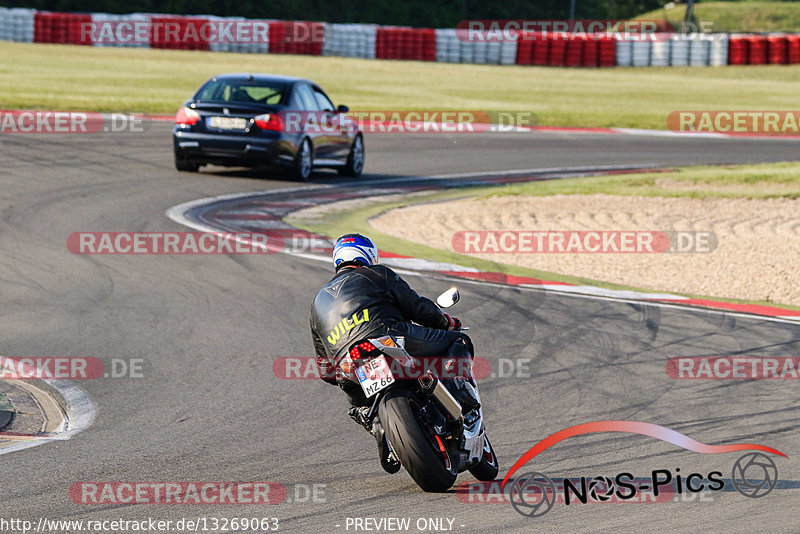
pixel 209 407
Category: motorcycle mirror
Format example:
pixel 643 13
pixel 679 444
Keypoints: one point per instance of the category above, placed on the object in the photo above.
pixel 448 298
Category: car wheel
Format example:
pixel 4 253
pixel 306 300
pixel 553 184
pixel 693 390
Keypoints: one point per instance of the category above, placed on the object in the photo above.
pixel 185 165
pixel 301 170
pixel 355 160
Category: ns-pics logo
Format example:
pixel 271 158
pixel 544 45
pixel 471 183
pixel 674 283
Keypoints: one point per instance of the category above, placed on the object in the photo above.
pixel 533 494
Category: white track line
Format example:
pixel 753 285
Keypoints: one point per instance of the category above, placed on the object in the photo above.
pixel 545 170
pixel 502 129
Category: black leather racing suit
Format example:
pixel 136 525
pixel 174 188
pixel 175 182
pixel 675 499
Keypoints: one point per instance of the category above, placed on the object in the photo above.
pixel 373 301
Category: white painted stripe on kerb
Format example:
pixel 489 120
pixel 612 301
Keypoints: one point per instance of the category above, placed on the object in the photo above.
pixel 420 264
pixel 613 293
pixel 654 303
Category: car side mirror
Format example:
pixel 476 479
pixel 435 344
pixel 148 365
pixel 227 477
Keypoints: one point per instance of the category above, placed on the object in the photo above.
pixel 448 298
pixel 342 109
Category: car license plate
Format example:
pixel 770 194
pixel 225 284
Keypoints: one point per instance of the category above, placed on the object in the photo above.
pixel 227 123
pixel 374 376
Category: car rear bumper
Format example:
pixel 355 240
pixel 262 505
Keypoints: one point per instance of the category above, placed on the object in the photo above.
pixel 249 151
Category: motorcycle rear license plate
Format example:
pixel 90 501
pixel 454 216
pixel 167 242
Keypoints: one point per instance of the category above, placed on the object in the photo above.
pixel 375 376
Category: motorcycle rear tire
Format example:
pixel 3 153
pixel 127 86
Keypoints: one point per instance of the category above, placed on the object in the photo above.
pixel 411 444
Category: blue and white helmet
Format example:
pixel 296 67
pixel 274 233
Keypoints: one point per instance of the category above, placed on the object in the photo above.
pixel 355 248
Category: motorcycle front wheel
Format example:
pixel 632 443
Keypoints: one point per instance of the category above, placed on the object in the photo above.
pixel 487 468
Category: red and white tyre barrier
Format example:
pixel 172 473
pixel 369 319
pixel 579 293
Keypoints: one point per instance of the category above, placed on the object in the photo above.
pixel 350 40
pixel 453 46
pixel 395 42
pixel 17 24
pixel 120 30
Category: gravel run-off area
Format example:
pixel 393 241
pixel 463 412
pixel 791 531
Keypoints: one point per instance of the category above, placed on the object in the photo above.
pixel 756 255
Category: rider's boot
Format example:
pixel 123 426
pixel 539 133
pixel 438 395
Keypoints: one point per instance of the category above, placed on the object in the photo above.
pixel 465 393
pixel 388 462
pixel 462 387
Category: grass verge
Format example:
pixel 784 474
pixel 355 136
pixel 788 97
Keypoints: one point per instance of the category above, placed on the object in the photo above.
pixel 61 77
pixel 748 181
pixel 745 16
pixel 768 180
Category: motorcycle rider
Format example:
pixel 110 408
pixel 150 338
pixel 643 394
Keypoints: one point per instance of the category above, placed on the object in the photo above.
pixel 365 299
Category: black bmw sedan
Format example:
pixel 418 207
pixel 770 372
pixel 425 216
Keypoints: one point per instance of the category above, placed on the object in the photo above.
pixel 260 120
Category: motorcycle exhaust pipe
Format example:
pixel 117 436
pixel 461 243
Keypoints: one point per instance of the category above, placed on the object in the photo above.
pixel 433 387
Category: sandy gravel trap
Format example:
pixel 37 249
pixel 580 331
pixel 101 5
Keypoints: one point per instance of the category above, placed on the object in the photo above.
pixel 732 248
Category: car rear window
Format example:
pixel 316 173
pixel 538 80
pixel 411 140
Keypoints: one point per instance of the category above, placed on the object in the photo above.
pixel 242 91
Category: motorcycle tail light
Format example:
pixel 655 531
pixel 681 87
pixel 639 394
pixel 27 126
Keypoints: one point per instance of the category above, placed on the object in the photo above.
pixel 365 346
pixel 270 122
pixel 187 116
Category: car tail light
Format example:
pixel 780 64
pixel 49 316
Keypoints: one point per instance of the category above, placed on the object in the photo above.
pixel 187 116
pixel 270 122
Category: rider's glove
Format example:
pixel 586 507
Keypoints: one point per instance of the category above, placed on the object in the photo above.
pixel 453 323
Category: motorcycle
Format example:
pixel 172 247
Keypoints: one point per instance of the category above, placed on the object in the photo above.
pixel 423 422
